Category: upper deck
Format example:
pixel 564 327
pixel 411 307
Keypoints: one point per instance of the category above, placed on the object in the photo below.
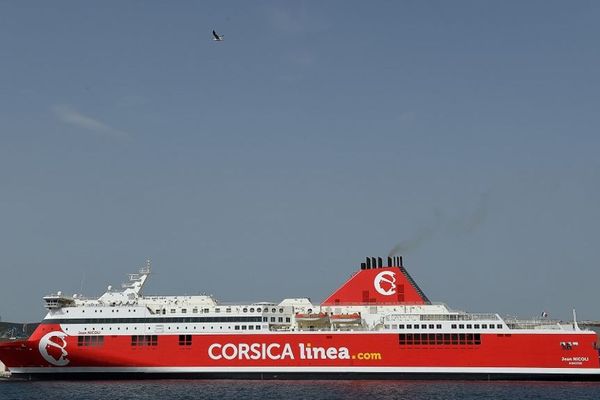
pixel 126 310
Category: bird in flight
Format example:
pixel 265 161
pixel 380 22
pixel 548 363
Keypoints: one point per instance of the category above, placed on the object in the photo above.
pixel 217 37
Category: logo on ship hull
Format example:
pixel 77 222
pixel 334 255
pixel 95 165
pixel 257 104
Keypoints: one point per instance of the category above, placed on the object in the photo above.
pixel 52 348
pixel 385 283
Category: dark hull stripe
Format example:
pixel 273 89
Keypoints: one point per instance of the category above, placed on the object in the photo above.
pixel 309 376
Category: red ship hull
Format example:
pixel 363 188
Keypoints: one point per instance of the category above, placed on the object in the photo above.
pixel 322 354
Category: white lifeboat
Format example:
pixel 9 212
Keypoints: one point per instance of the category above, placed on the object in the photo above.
pixel 312 317
pixel 345 318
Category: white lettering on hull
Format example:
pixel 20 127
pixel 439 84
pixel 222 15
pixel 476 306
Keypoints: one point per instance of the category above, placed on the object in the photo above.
pixel 275 351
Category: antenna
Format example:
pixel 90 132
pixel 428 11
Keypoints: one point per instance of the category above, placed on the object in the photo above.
pixel 575 325
pixel 82 282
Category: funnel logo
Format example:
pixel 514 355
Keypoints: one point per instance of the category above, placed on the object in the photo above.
pixel 385 283
pixel 52 347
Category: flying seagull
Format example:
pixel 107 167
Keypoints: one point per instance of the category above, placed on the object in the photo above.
pixel 217 37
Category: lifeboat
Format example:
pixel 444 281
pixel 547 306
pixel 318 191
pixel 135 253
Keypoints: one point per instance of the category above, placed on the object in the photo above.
pixel 312 317
pixel 345 318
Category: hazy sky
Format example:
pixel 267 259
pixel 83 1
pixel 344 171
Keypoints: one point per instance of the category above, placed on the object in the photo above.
pixel 268 165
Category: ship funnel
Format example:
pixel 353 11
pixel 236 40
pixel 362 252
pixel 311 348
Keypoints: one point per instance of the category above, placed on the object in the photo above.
pixel 371 286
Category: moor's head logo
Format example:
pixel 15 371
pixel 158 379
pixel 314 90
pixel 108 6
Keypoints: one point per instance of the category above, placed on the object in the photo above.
pixel 52 348
pixel 385 283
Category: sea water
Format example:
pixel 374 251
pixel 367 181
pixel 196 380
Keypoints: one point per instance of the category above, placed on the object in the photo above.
pixel 313 390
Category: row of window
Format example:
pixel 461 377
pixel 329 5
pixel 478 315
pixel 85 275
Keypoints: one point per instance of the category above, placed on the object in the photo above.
pixel 439 326
pixel 185 340
pixel 94 341
pixel 456 317
pixel 415 326
pixel 160 320
pixel 477 326
pixel 227 310
pixel 429 339
pixel 144 340
pixel 247 327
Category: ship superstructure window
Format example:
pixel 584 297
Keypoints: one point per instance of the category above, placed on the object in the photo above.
pixel 184 310
pixel 93 341
pixel 431 339
pixel 185 340
pixel 144 340
pixel 153 320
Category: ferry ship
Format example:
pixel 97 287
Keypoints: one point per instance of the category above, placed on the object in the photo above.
pixel 377 325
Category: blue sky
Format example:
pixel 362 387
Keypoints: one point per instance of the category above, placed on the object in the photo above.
pixel 268 165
